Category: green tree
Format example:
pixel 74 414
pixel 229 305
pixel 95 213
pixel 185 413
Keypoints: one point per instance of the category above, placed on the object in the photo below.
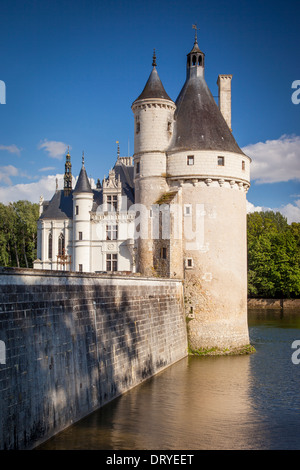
pixel 273 256
pixel 18 233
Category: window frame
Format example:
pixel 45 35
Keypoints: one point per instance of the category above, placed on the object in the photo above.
pixel 112 202
pixel 190 160
pixel 112 231
pixel 221 160
pixel 111 262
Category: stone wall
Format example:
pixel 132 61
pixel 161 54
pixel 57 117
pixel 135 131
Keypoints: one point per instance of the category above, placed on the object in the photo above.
pixel 74 342
pixel 291 304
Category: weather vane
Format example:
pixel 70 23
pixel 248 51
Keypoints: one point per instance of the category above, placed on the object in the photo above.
pixel 194 26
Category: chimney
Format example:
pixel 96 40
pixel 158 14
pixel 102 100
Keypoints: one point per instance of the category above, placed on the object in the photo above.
pixel 224 84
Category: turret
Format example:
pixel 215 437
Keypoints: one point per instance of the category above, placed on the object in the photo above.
pixel 211 174
pixel 82 206
pixel 153 128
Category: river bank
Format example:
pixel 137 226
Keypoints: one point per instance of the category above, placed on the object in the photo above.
pixel 291 304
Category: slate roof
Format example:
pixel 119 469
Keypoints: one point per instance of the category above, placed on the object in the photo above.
pixel 60 207
pixel 153 88
pixel 83 184
pixel 199 124
pixel 126 176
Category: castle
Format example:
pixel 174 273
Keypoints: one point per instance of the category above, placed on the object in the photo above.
pixel 176 209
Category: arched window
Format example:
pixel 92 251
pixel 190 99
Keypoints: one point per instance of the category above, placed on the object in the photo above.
pixel 61 244
pixel 199 60
pixel 50 246
pixel 194 60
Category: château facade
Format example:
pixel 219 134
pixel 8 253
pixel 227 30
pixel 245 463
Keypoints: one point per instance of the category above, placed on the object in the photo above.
pixel 176 209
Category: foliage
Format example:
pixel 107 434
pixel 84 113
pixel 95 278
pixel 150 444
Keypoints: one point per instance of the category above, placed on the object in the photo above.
pixel 273 256
pixel 18 233
pixel 273 248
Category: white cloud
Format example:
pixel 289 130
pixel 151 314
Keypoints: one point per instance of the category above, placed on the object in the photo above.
pixel 290 211
pixel 6 172
pixel 32 191
pixel 275 160
pixel 11 149
pixel 55 149
pixel 47 168
pixel 252 208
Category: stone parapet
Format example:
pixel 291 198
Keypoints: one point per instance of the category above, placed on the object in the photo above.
pixel 75 341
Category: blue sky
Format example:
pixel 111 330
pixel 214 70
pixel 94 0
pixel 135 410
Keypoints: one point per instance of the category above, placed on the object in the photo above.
pixel 73 68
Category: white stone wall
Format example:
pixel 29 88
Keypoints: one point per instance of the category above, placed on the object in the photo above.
pixel 206 165
pixel 151 164
pixel 155 118
pixel 217 245
pixel 55 227
pixel 82 248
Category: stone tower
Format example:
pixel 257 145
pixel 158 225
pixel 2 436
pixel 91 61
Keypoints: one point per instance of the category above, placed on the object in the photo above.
pixel 153 127
pixel 186 156
pixel 82 206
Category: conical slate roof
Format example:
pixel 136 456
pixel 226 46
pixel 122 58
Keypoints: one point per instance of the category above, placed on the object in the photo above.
pixel 199 124
pixel 153 88
pixel 83 184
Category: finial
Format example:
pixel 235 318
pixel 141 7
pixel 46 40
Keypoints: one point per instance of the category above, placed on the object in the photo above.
pixel 68 151
pixel 56 184
pixel 154 59
pixel 83 157
pixel 194 26
pixel 118 151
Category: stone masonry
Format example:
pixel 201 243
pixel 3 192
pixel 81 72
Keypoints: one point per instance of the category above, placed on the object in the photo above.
pixel 73 342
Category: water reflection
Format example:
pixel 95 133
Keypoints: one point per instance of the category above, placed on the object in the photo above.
pixel 241 402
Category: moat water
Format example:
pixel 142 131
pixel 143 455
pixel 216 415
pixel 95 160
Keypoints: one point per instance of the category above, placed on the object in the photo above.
pixel 199 403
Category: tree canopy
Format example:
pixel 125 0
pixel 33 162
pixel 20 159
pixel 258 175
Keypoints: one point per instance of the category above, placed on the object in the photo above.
pixel 18 233
pixel 273 248
pixel 273 256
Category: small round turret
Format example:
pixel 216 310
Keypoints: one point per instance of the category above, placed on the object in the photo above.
pixel 153 128
pixel 82 205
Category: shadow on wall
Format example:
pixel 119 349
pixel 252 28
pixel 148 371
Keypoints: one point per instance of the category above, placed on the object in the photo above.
pixel 73 345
